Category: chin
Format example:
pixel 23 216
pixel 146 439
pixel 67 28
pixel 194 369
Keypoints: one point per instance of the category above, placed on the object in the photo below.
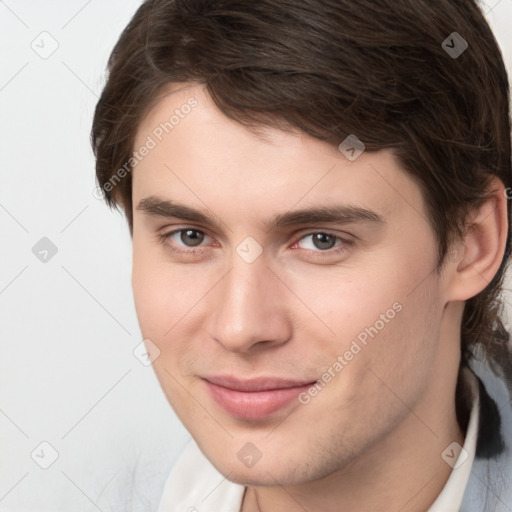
pixel 268 471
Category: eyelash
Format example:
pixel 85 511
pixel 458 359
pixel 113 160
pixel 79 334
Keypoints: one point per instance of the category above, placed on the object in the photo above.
pixel 337 249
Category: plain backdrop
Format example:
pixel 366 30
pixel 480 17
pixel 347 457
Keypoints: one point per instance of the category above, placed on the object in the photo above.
pixel 84 425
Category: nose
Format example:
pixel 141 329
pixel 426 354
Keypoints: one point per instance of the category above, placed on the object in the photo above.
pixel 250 312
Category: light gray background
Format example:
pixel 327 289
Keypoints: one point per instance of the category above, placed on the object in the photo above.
pixel 68 376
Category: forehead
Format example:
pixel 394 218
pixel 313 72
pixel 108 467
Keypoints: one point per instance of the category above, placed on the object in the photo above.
pixel 197 153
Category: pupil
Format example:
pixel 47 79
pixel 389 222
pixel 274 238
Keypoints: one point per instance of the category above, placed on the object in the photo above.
pixel 323 241
pixel 195 237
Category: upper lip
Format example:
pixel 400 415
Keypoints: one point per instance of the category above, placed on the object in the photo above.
pixel 256 384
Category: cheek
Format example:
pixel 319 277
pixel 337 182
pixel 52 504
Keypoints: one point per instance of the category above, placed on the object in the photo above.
pixel 155 292
pixel 397 356
pixel 385 315
pixel 168 299
pixel 383 364
pixel 161 311
pixel 345 302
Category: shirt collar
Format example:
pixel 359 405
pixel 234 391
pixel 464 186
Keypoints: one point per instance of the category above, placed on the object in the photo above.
pixel 450 498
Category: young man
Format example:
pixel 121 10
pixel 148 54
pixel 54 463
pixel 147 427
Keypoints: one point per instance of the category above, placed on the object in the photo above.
pixel 317 193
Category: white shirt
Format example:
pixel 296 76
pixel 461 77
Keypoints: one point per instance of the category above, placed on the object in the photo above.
pixel 194 485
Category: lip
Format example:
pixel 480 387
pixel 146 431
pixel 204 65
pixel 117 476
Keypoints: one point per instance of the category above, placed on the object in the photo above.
pixel 256 398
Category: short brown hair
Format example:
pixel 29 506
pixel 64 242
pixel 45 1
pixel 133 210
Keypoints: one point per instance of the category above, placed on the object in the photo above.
pixel 375 68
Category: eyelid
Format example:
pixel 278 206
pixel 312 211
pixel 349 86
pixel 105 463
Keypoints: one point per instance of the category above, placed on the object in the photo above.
pixel 327 231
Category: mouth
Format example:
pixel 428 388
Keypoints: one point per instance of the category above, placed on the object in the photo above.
pixel 254 399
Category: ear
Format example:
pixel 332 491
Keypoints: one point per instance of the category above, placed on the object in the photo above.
pixel 477 257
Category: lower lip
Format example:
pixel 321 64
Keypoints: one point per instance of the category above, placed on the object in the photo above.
pixel 253 405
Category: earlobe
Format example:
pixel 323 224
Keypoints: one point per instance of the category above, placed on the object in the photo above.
pixel 483 246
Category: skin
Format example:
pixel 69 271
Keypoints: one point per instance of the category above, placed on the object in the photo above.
pixel 372 438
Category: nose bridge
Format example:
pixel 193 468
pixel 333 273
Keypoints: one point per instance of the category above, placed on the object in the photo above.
pixel 248 309
pixel 244 291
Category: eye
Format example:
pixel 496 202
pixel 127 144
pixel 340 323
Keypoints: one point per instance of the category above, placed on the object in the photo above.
pixel 183 238
pixel 322 241
pixel 190 237
pixel 323 246
pixel 189 241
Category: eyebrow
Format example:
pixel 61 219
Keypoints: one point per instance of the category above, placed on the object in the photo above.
pixel 339 214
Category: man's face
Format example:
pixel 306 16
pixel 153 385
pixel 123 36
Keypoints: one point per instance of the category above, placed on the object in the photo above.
pixel 240 308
